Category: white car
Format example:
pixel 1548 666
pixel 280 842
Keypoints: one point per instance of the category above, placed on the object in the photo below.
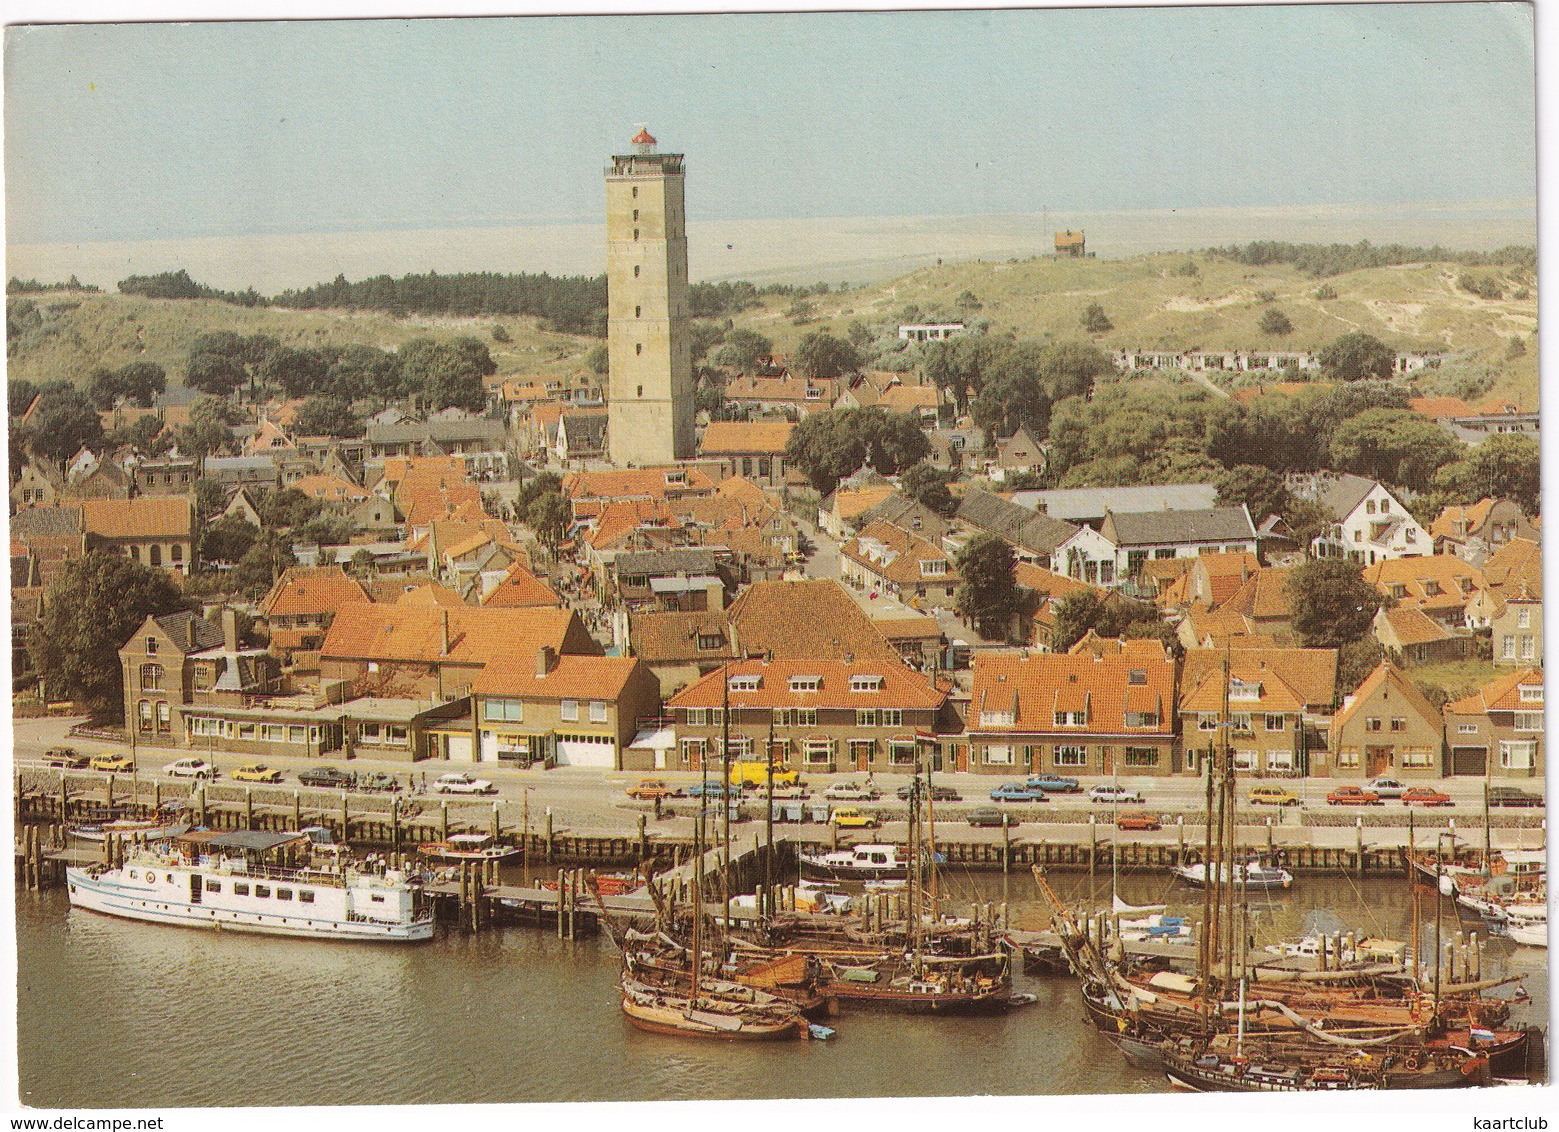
pixel 462 784
pixel 1385 788
pixel 1108 792
pixel 851 792
pixel 198 769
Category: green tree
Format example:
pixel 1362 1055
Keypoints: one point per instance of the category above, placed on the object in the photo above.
pixel 599 360
pixel 1260 489
pixel 141 382
pixel 284 508
pixel 743 350
pixel 500 333
pixel 1505 466
pixel 447 374
pixel 228 540
pixel 1357 355
pixel 265 561
pixel 1274 321
pixel 98 601
pixel 210 428
pixel 1355 661
pixel 147 435
pixel 210 497
pixel 928 485
pixel 1393 445
pixel 327 415
pixel 550 516
pixel 297 373
pixel 988 595
pixel 542 483
pixel 63 422
pixel 830 446
pixel 821 356
pixel 218 374
pixel 1333 605
pixel 1095 321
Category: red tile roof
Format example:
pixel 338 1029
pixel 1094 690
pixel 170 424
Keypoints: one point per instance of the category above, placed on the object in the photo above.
pixel 898 687
pixel 521 589
pixel 570 677
pixel 1035 686
pixel 1310 672
pixel 739 438
pixel 477 635
pixel 1502 694
pixel 814 617
pixel 144 517
pixel 302 591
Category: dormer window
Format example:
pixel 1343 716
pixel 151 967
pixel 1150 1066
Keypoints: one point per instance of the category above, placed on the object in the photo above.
pixel 998 718
pixel 1398 590
pixel 1431 588
pixel 746 683
pixel 1138 676
pixel 933 568
pixel 805 683
pixel 865 683
pixel 1531 693
pixel 708 641
pixel 676 478
pixel 1240 690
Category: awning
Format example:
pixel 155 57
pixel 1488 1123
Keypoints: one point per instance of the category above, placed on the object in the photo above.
pixel 654 739
pixel 253 840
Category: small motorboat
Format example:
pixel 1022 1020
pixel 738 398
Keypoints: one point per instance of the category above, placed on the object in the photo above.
pixel 144 829
pixel 857 862
pixel 1253 875
pixel 1530 931
pixel 466 847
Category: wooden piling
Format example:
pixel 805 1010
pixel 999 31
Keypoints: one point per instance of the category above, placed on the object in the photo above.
pixel 549 850
pixel 1006 844
pixel 497 823
pixel 562 887
pixel 248 808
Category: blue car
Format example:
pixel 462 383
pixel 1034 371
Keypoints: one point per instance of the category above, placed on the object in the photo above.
pixel 714 788
pixel 1018 792
pixel 1054 784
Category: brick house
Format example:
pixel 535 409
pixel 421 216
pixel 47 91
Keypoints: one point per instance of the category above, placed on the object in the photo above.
pixel 754 450
pixel 914 570
pixel 154 530
pixel 177 662
pixel 825 715
pixel 1073 713
pixel 1386 727
pixel 563 710
pixel 303 602
pixel 1265 718
pixel 1498 730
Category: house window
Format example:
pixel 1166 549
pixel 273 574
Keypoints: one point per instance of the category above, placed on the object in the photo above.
pixel 893 717
pixel 151 677
pixel 745 683
pixel 933 568
pixel 1399 724
pixel 1244 760
pixel 1071 756
pixel 998 718
pixel 202 677
pixel 144 715
pixel 1348 757
pixel 1508 648
pixel 805 683
pixel 1466 728
pixel 1274 722
pixel 692 751
pixel 1369 506
pixel 1527 648
pixel 1527 721
pixel 1280 760
pixel 997 754
pixel 901 752
pixel 368 733
pixel 176 553
pixel 164 717
pixel 635 271
pixel 865 683
pixel 866 718
pixel 1071 718
pixel 806 717
pixel 818 751
pixel 1516 754
pixel 1371 724
pixel 503 710
pixel 1531 693
pixel 240 888
pixel 1207 722
pixel 1417 756
pixel 569 710
pixel 1137 676
pixel 1524 619
pixel 154 555
pixel 696 716
pixel 1142 756
pixel 597 711
pixel 708 641
pixel 1142 719
pixel 297 733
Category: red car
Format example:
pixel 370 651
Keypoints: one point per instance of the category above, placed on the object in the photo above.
pixel 1352 796
pixel 1425 796
pixel 1137 819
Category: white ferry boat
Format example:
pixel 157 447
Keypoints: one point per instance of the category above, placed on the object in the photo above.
pixel 221 881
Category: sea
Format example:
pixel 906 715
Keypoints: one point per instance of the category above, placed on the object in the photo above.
pixel 117 1014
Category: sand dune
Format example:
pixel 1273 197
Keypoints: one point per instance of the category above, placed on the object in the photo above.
pixel 852 250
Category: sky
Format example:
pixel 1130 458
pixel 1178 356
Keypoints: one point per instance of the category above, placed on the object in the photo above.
pixel 164 131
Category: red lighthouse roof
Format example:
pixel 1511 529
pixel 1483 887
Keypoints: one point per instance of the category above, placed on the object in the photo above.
pixel 643 137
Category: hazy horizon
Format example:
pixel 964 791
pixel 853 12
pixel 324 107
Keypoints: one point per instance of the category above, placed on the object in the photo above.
pixel 834 250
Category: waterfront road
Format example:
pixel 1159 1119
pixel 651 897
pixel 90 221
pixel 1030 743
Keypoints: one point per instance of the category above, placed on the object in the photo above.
pixel 594 802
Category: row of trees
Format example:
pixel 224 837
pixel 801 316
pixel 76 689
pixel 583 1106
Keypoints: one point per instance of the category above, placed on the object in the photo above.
pixel 830 446
pixel 571 304
pixel 1334 259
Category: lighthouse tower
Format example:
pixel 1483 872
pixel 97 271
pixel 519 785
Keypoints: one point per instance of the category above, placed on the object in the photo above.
pixel 650 412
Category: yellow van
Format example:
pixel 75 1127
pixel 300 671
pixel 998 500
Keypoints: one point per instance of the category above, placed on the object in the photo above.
pixel 756 774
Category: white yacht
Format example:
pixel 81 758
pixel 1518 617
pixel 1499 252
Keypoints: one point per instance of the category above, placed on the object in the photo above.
pixel 222 881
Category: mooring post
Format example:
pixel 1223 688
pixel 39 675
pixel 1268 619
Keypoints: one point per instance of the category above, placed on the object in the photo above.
pixel 395 822
pixel 64 796
pixel 443 821
pixel 548 829
pixel 562 896
pixel 346 820
pixel 248 808
pixel 1093 843
pixel 111 777
pixel 497 822
pixel 1358 825
pixel 644 839
pixel 1006 844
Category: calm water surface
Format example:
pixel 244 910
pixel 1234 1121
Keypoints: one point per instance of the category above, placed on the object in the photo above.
pixel 116 1013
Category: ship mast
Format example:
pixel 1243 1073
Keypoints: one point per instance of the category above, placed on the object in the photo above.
pixel 725 800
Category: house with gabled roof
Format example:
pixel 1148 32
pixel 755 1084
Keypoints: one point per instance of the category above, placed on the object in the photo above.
pixel 299 608
pixel 1386 727
pixel 1264 601
pixel 1138 537
pixel 824 715
pixel 1034 537
pixel 39 484
pixel 1410 636
pixel 1266 717
pixel 1072 714
pixel 1368 522
pixel 1497 732
pixel 754 450
pixel 1021 452
pixel 680 646
pixel 805 618
pixel 1311 673
pixel 842 510
pixel 1046 591
pixel 521 589
pixel 1511 604
pixel 154 530
pixel 1437 585
pixel 1474 531
pixel 913 569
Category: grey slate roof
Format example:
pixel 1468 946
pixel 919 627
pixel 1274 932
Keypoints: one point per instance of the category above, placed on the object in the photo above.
pixel 436 430
pixel 193 633
pixel 1079 504
pixel 42 522
pixel 678 561
pixel 1027 529
pixel 1151 528
pixel 1342 495
pixel 900 510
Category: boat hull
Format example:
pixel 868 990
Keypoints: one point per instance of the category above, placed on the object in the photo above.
pixel 995 1001
pixel 819 871
pixel 110 899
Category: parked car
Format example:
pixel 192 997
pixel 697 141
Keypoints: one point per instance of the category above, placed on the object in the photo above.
pixel 327 776
pixel 989 815
pixel 1111 792
pixel 757 774
pixel 853 817
pixel 196 768
pixel 1513 796
pixel 851 792
pixel 1137 819
pixel 1353 796
pixel 378 780
pixel 649 788
pixel 712 788
pixel 1055 784
pixel 1273 796
pixel 462 784
pixel 111 762
pixel 256 772
pixel 1426 796
pixel 1018 792
pixel 1385 787
pixel 67 757
pixel 937 793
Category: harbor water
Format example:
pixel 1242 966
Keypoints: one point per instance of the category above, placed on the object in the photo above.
pixel 113 1013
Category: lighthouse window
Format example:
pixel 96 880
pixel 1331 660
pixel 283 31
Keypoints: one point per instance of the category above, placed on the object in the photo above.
pixel 636 214
pixel 636 311
pixel 641 391
pixel 636 194
pixel 635 233
pixel 638 347
pixel 635 271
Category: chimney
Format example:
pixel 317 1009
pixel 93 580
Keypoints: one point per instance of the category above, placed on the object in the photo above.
pixel 443 634
pixel 230 630
pixel 545 660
